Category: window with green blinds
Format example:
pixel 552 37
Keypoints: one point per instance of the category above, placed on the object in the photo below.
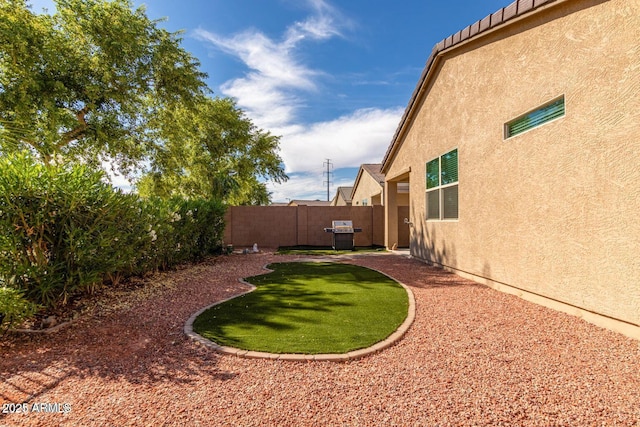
pixel 535 118
pixel 442 187
pixel 449 165
pixel 433 173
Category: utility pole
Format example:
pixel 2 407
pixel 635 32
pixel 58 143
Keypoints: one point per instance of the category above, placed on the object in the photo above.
pixel 328 173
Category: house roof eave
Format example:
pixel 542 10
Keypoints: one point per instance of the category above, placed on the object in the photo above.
pixel 481 28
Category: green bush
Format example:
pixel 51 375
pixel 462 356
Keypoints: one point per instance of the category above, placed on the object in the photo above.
pixel 13 308
pixel 183 230
pixel 199 226
pixel 161 232
pixel 63 230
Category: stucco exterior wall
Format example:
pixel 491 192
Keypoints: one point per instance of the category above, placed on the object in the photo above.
pixel 553 211
pixel 367 188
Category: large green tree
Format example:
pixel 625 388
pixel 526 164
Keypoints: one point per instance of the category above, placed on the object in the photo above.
pixel 212 151
pixel 99 81
pixel 85 83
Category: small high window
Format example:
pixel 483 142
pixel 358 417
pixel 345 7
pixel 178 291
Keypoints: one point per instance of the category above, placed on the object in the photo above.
pixel 535 118
pixel 442 187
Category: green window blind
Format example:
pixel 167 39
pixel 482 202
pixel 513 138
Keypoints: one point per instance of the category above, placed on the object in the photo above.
pixel 433 172
pixel 536 118
pixel 442 187
pixel 449 172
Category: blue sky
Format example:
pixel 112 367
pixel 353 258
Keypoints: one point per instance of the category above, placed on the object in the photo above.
pixel 331 78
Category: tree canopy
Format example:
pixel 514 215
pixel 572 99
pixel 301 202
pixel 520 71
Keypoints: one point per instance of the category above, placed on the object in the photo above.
pixel 212 151
pixel 83 83
pixel 99 81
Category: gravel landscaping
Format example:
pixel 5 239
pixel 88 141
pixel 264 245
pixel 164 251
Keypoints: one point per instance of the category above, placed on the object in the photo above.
pixel 473 356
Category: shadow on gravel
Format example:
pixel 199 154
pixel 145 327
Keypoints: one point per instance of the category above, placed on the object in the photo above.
pixel 37 365
pixel 418 274
pixel 434 277
pixel 144 345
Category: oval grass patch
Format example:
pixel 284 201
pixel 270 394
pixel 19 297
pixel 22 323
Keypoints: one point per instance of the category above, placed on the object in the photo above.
pixel 308 308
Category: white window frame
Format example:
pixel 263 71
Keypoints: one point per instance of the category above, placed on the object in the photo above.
pixel 440 189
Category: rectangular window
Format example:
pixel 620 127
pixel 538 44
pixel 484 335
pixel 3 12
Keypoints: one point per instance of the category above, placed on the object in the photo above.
pixel 535 118
pixel 442 187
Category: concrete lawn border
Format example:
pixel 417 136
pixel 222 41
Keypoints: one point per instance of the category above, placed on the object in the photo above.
pixel 333 357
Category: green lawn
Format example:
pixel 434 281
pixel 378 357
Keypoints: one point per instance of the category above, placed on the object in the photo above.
pixel 309 308
pixel 325 250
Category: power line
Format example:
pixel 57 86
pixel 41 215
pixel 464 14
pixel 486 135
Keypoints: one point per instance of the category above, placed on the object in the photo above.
pixel 329 175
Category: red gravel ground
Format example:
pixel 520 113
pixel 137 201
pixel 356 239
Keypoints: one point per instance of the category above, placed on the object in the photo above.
pixel 474 356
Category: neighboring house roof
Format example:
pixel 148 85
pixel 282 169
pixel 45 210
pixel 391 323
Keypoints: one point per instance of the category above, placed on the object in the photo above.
pixel 308 203
pixel 344 193
pixel 501 17
pixel 372 169
pixel 279 204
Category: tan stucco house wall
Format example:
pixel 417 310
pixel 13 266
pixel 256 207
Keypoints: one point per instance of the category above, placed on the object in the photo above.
pixel 552 214
pixel 368 186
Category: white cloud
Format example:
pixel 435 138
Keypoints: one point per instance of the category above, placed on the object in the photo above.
pixel 268 106
pixel 349 141
pixel 306 186
pixel 278 84
pixel 269 92
pixel 274 87
pixel 324 24
pixel 271 61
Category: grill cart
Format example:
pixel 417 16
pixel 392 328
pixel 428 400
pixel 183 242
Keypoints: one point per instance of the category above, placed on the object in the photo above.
pixel 343 235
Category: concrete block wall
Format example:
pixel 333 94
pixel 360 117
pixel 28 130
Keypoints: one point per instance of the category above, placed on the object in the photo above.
pixel 274 226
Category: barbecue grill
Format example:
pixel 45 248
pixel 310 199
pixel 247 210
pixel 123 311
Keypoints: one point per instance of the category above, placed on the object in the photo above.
pixel 342 235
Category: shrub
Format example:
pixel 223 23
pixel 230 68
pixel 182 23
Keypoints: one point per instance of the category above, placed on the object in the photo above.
pixel 13 308
pixel 160 232
pixel 183 230
pixel 63 230
pixel 199 227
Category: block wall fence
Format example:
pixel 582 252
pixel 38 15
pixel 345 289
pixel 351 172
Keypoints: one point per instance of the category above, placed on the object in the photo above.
pixel 274 226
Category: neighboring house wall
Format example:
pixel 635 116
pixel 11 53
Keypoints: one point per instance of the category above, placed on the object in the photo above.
pixel 274 226
pixel 550 214
pixel 368 188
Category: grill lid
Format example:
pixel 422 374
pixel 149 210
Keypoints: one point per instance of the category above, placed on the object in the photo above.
pixel 344 226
